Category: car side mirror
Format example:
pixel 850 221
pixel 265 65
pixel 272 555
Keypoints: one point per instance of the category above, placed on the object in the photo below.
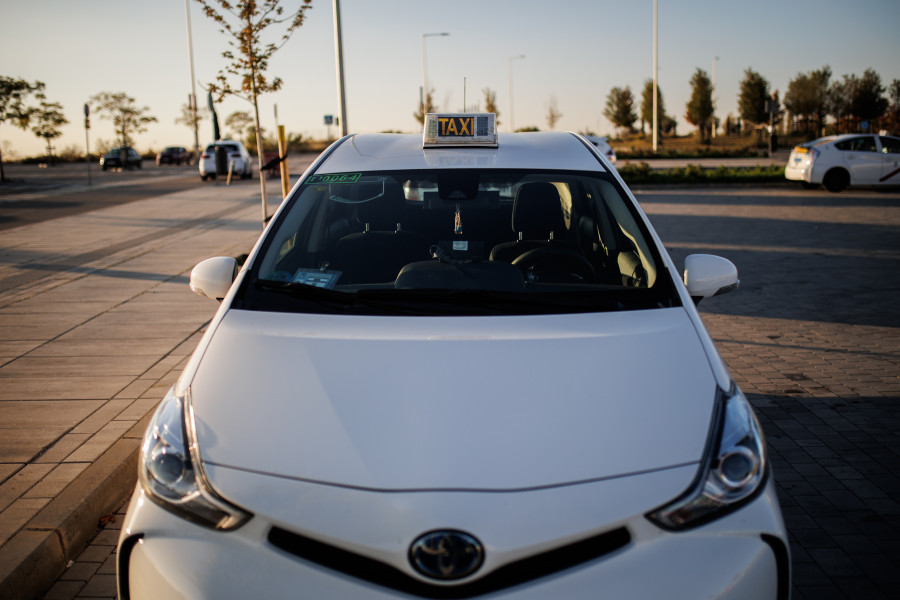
pixel 212 277
pixel 706 275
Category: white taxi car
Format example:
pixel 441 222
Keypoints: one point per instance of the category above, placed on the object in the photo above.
pixel 456 365
pixel 840 161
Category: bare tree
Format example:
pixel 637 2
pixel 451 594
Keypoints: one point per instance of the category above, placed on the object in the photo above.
pixel 428 107
pixel 127 117
pixel 244 23
pixel 191 118
pixel 13 93
pixel 48 118
pixel 240 122
pixel 553 114
pixel 490 103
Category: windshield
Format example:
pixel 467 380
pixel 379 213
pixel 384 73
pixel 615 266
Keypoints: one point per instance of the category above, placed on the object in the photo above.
pixel 457 241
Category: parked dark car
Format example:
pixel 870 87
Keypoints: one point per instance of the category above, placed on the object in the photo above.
pixel 173 155
pixel 113 159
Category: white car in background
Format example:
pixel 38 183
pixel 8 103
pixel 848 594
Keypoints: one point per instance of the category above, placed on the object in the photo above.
pixel 233 151
pixel 841 161
pixel 457 364
pixel 602 144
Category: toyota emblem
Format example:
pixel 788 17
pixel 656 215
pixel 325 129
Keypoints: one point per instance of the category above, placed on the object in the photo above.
pixel 446 555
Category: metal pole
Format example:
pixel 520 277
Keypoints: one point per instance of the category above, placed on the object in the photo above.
pixel 512 125
pixel 187 12
pixel 87 142
pixel 283 165
pixel 655 81
pixel 425 68
pixel 339 58
pixel 424 74
pixel 715 60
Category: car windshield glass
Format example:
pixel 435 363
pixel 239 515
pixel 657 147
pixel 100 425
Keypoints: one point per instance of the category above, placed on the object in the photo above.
pixel 473 241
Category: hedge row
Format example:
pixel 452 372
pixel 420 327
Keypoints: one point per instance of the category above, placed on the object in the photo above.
pixel 641 172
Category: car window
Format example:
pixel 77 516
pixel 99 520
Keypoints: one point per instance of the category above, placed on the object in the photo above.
pixel 890 145
pixel 858 144
pixel 561 236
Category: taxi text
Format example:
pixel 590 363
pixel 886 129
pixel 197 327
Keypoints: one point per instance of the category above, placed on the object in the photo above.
pixel 456 126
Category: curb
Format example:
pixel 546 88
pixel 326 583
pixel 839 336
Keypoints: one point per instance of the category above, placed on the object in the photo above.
pixel 38 554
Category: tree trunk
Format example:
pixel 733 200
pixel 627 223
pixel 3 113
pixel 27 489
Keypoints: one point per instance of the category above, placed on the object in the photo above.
pixel 259 158
pixel 123 154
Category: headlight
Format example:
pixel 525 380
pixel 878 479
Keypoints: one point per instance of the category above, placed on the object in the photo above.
pixel 171 472
pixel 733 470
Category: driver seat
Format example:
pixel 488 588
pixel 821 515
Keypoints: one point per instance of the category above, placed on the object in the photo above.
pixel 537 219
pixel 379 252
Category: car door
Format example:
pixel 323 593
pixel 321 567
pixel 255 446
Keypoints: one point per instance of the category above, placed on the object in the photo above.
pixel 861 156
pixel 890 151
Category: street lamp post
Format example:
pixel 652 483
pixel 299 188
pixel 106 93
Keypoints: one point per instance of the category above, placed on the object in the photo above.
pixel 193 98
pixel 339 59
pixel 655 81
pixel 425 68
pixel 512 122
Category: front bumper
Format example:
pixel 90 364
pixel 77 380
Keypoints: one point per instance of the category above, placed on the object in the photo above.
pixel 740 556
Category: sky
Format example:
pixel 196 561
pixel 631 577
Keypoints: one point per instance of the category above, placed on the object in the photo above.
pixel 575 52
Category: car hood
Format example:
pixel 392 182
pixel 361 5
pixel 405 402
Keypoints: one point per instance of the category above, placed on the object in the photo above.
pixel 480 403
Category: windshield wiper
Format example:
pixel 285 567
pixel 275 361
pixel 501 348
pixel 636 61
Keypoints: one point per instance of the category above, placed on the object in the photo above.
pixel 476 302
pixel 332 299
pixel 504 302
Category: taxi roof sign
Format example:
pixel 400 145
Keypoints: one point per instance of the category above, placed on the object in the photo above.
pixel 460 129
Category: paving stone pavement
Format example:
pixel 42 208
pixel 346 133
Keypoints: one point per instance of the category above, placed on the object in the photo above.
pixel 812 337
pixel 96 322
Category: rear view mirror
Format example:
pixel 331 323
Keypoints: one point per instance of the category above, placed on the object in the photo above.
pixel 706 275
pixel 212 278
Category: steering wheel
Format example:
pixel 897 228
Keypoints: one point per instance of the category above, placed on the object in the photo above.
pixel 555 265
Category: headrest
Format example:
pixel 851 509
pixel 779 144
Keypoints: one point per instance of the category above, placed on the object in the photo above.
pixel 383 212
pixel 537 211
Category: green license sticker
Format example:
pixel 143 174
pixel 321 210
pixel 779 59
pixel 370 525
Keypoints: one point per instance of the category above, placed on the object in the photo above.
pixel 334 178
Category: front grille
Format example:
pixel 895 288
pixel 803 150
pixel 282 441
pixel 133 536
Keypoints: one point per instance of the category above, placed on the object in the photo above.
pixel 517 573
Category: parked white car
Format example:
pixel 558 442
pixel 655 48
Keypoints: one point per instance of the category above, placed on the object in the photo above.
pixel 233 151
pixel 603 146
pixel 840 161
pixel 454 365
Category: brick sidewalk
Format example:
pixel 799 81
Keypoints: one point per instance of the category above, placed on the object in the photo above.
pixel 813 338
pixel 96 321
